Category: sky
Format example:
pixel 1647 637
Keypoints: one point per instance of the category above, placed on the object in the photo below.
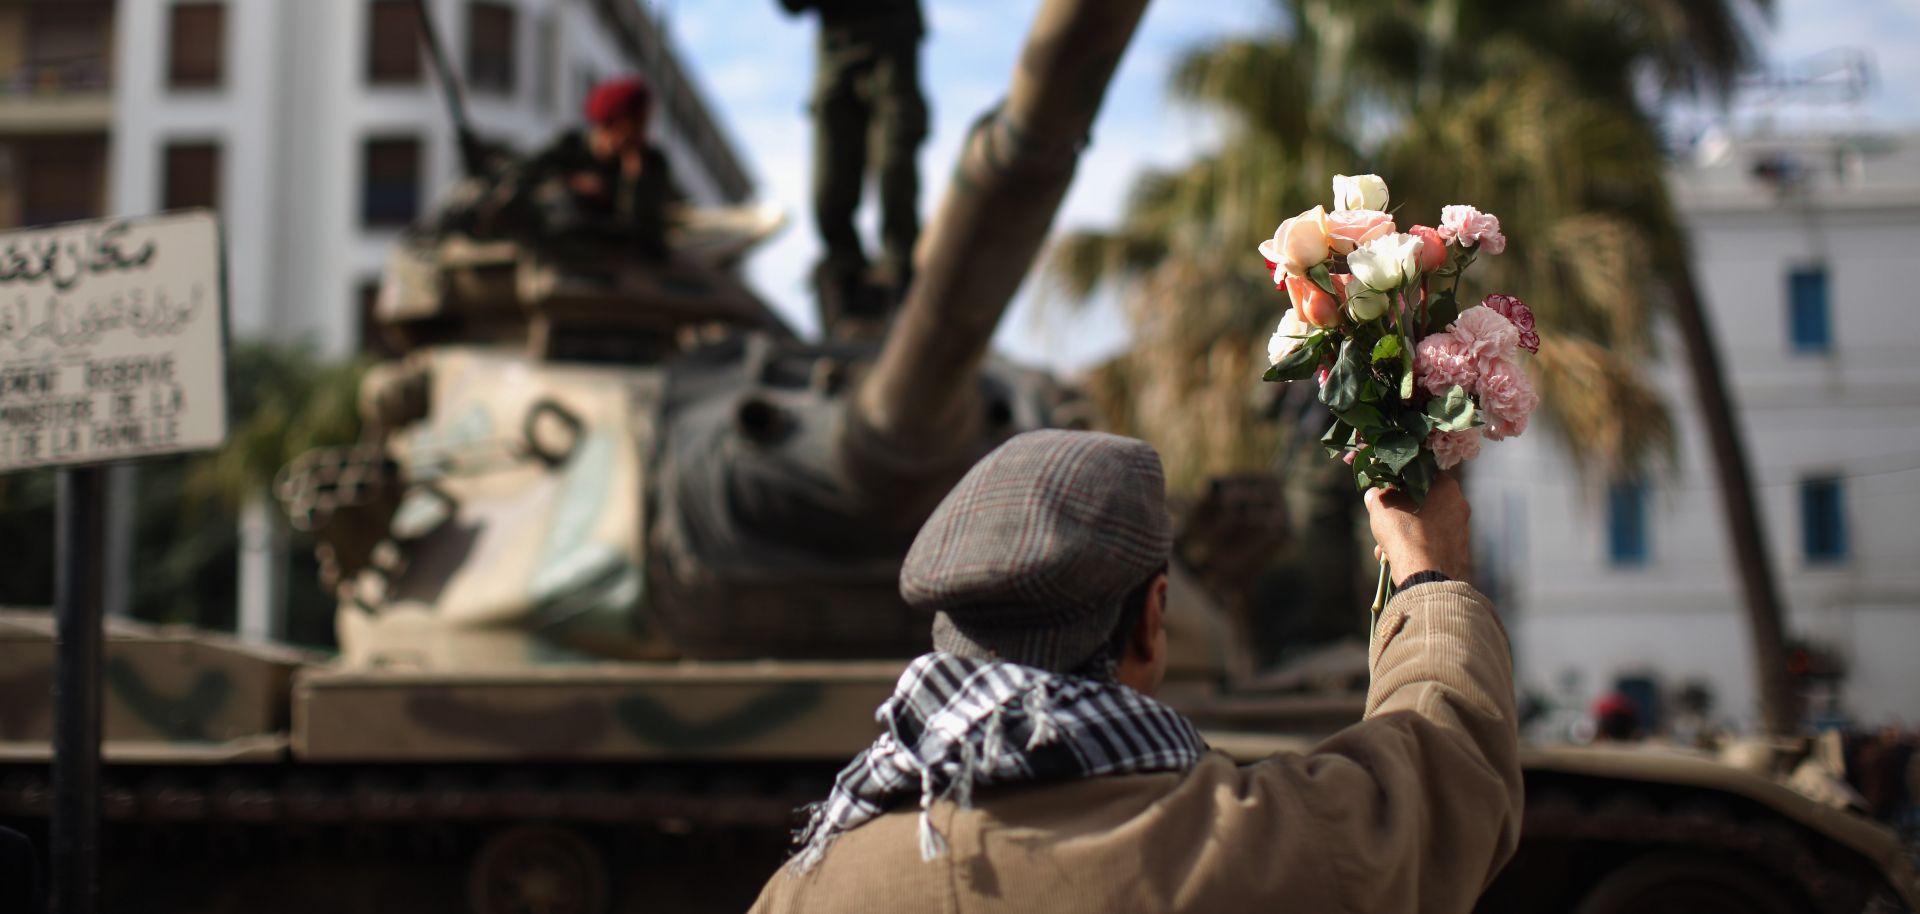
pixel 756 65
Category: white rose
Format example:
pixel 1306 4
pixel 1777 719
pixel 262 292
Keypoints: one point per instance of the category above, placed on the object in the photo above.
pixel 1359 192
pixel 1286 339
pixel 1386 262
pixel 1366 304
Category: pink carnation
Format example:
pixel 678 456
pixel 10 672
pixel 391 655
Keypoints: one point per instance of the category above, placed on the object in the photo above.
pixel 1507 397
pixel 1515 310
pixel 1449 448
pixel 1466 226
pixel 1487 335
pixel 1441 361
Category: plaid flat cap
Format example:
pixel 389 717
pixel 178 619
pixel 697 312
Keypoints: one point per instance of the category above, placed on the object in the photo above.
pixel 1029 558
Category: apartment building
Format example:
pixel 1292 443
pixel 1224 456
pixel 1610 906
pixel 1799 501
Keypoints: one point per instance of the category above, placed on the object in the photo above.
pixel 1804 244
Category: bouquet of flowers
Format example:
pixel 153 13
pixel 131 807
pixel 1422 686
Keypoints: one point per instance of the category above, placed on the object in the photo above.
pixel 1415 382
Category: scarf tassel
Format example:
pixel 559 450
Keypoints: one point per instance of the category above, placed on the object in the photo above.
pixel 1040 715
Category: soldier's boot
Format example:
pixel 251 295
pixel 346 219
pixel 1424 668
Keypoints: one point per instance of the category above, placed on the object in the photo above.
pixel 851 306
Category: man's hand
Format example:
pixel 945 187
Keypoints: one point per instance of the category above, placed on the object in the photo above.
pixel 1433 538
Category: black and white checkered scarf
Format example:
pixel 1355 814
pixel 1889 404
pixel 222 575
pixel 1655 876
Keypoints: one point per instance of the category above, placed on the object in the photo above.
pixel 957 723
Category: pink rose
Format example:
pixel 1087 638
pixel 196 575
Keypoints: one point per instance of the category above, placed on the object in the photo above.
pixel 1487 334
pixel 1350 228
pixel 1449 448
pixel 1298 244
pixel 1507 397
pixel 1466 226
pixel 1312 303
pixel 1433 248
pixel 1515 310
pixel 1442 360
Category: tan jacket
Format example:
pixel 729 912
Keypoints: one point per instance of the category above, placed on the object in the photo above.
pixel 1415 808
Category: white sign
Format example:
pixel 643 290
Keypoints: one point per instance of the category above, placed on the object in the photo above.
pixel 112 340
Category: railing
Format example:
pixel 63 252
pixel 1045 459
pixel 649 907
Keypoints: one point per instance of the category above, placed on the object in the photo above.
pixel 84 74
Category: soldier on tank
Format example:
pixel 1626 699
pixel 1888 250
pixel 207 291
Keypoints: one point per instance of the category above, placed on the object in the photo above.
pixel 605 183
pixel 866 96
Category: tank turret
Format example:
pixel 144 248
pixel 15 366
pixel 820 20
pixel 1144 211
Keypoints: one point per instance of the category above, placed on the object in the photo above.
pixel 588 454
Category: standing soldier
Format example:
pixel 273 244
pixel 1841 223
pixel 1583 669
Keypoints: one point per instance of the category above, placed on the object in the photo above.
pixel 866 96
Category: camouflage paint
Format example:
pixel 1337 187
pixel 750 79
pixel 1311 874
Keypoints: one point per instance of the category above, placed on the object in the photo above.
pixel 24 698
pixel 559 729
pixel 179 719
pixel 579 580
pixel 652 722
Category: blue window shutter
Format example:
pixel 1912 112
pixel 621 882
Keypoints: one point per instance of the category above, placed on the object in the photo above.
pixel 1627 524
pixel 1823 522
pixel 1808 319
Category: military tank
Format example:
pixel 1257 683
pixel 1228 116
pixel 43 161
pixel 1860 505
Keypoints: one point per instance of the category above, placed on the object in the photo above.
pixel 616 566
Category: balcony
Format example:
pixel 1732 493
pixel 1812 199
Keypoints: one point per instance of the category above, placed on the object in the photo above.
pixel 56 71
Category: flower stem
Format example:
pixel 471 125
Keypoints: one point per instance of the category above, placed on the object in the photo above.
pixel 1381 592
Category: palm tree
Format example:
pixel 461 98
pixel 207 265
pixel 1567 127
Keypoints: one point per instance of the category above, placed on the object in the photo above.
pixel 1535 110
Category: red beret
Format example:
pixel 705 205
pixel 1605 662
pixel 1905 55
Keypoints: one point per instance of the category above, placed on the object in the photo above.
pixel 1615 704
pixel 627 96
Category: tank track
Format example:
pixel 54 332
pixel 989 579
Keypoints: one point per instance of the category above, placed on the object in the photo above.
pixel 676 796
pixel 432 839
pixel 1592 826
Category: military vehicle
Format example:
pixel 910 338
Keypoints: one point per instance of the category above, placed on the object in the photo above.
pixel 617 573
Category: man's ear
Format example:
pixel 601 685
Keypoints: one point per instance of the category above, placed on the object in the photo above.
pixel 1146 644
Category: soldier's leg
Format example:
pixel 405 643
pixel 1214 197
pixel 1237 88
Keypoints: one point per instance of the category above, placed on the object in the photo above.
pixel 840 118
pixel 901 126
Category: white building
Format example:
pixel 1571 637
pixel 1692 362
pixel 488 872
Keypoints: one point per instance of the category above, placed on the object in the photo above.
pixel 1806 247
pixel 316 127
pixel 318 130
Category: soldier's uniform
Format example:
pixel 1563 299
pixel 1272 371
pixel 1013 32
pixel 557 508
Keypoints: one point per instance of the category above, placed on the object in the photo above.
pixel 866 101
pixel 626 210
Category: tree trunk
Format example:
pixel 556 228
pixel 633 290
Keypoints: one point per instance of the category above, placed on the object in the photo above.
pixel 1778 711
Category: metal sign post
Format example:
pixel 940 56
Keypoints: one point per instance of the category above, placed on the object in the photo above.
pixel 76 686
pixel 112 346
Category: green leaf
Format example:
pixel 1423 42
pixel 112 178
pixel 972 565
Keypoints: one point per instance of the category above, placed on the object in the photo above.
pixel 1300 363
pixel 1389 347
pixel 1406 382
pixel 1419 475
pixel 1419 425
pixel 1396 450
pixel 1441 310
pixel 1454 412
pixel 1362 416
pixel 1345 380
pixel 1322 275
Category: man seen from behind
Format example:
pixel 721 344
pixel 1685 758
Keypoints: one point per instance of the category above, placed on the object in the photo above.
pixel 1025 766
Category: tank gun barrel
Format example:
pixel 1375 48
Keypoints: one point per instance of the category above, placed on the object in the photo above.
pixel 917 407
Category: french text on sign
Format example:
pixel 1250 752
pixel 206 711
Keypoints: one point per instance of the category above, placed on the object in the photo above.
pixel 112 340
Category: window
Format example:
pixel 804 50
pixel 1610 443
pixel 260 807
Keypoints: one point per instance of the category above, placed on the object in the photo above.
pixel 1807 310
pixel 390 182
pixel 490 47
pixel 64 180
pixel 196 45
pixel 1823 520
pixel 192 176
pixel 1627 524
pixel 393 43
